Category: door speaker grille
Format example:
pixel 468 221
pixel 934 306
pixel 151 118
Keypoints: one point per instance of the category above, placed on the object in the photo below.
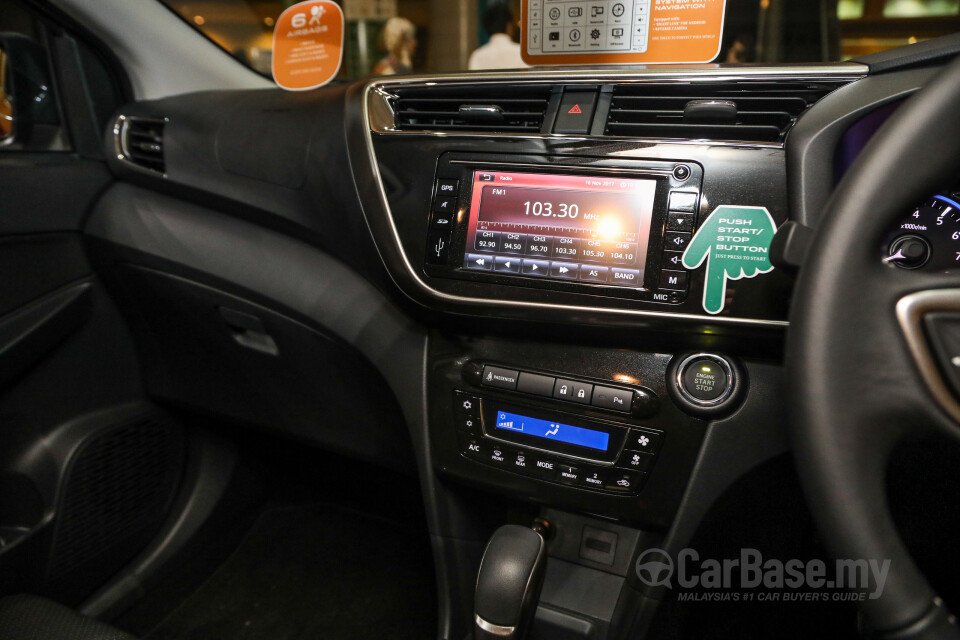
pixel 117 492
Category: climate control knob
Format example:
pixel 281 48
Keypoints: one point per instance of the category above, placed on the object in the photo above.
pixel 908 252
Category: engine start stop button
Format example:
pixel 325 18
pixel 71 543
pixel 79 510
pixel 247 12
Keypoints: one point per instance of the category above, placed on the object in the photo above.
pixel 705 379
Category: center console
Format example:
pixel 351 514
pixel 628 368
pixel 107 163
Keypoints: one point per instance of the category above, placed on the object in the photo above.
pixel 603 430
pixel 574 374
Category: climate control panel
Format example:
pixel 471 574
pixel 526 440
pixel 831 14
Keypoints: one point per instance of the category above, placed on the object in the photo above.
pixel 555 447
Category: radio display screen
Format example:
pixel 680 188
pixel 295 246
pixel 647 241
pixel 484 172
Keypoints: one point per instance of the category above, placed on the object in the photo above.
pixel 556 431
pixel 591 229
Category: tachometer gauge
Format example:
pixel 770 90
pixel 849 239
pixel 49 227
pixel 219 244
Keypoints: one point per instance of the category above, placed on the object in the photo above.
pixel 929 238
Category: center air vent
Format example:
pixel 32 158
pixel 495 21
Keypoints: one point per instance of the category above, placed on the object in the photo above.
pixel 734 111
pixel 473 108
pixel 140 141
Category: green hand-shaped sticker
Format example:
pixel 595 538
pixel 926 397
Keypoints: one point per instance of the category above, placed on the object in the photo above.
pixel 735 242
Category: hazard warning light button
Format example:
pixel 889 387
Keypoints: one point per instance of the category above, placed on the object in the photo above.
pixel 576 112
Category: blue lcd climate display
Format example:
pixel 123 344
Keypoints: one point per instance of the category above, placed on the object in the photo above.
pixel 553 431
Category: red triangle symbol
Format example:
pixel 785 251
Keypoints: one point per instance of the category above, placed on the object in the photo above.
pixel 575 109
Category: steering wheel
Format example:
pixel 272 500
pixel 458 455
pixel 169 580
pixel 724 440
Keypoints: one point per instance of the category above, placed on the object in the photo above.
pixel 863 376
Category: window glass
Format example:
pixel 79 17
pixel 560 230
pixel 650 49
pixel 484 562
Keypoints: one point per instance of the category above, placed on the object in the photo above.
pixel 850 9
pixel 29 113
pixel 920 8
pixel 385 37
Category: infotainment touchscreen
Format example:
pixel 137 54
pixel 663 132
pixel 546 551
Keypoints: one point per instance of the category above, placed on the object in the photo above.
pixel 591 229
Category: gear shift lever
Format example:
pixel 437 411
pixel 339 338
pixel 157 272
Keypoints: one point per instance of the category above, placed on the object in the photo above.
pixel 509 582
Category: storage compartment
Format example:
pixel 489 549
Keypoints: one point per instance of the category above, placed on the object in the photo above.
pixel 203 348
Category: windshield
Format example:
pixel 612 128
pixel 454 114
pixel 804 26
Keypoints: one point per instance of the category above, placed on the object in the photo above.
pixel 390 37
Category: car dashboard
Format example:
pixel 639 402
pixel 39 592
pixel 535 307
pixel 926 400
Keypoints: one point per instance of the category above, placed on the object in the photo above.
pixel 507 250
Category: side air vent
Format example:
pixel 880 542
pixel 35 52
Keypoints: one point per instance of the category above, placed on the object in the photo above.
pixel 733 111
pixel 140 142
pixel 473 108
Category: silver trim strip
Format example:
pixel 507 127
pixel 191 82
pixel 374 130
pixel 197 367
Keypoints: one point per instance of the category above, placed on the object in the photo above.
pixel 727 369
pixel 374 99
pixel 562 168
pixel 910 312
pixel 493 629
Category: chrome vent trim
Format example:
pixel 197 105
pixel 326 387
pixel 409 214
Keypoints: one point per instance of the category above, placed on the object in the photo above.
pixel 138 142
pixel 475 109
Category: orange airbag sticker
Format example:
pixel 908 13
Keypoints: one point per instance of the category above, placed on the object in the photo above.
pixel 580 32
pixel 308 45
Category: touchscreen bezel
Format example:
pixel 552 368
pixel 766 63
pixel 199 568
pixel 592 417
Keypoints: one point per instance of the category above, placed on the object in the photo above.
pixel 461 167
pixel 651 265
pixel 639 191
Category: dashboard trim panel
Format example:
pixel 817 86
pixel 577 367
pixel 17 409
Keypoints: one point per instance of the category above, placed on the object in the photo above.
pixel 378 119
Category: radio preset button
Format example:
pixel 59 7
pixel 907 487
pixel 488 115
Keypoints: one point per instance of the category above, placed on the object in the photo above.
pixel 477 262
pixel 573 391
pixel 487 241
pixel 564 270
pixel 538 246
pixel 594 250
pixel 499 378
pixel 447 187
pixel 589 273
pixel 539 268
pixel 683 201
pixel 624 252
pixel 566 248
pixel 673 280
pixel 507 264
pixel 680 221
pixel 610 398
pixel 676 240
pixel 535 384
pixel 512 243
pixel 635 460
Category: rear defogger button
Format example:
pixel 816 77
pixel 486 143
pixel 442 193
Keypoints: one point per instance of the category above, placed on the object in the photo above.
pixel 499 378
